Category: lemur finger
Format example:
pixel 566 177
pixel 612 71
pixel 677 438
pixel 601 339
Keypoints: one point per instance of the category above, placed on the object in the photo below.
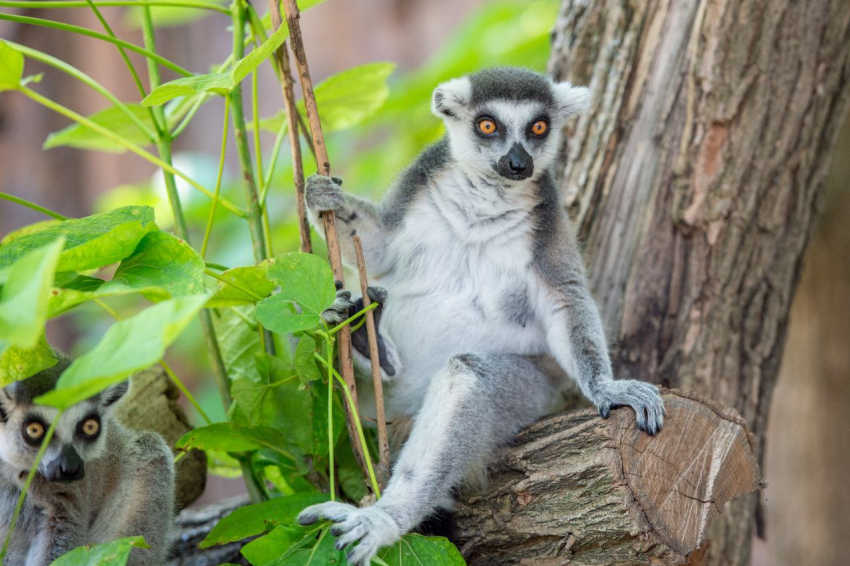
pixel 352 536
pixel 331 510
pixel 377 294
pixel 605 411
pixel 323 194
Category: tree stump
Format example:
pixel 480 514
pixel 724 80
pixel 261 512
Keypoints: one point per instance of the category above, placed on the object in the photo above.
pixel 578 490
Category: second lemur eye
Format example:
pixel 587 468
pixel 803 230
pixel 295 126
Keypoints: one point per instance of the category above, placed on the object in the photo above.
pixel 487 126
pixel 539 127
pixel 34 430
pixel 90 427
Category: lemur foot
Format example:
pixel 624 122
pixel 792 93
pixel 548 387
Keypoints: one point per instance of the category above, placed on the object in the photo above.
pixel 643 397
pixel 370 528
pixel 323 193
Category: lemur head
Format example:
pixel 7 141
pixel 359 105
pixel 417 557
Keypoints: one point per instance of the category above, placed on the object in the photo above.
pixel 507 121
pixel 80 434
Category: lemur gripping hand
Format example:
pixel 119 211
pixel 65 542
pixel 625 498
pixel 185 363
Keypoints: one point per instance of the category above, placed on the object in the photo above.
pixel 343 308
pixel 323 193
pixel 643 397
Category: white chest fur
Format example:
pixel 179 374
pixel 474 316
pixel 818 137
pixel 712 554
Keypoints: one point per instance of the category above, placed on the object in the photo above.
pixel 462 280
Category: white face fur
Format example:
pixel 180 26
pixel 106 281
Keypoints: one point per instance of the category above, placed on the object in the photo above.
pixel 502 138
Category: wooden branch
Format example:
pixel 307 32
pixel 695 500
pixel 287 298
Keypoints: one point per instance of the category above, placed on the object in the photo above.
pixel 334 255
pixel 383 469
pixel 292 117
pixel 579 490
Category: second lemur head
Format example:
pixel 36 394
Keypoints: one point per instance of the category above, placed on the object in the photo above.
pixel 507 121
pixel 80 434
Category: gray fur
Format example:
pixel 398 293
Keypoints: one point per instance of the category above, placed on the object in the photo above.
pixel 486 288
pixel 127 490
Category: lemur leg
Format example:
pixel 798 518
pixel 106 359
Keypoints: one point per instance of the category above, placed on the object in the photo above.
pixel 354 216
pixel 475 404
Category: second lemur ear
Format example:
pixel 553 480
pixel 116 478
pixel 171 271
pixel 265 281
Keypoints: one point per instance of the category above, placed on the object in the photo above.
pixel 113 393
pixel 451 98
pixel 571 100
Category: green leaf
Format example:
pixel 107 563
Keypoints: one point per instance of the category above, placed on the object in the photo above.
pixel 127 347
pixel 292 546
pixel 112 118
pixel 347 98
pixel 90 242
pixel 252 278
pixel 23 303
pixel 304 279
pixel 11 67
pixel 252 520
pixel 20 363
pixel 114 553
pixel 163 266
pixel 239 342
pixel 305 363
pixel 418 550
pixel 231 437
pixel 219 83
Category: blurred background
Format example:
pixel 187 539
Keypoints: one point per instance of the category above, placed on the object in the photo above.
pixel 807 501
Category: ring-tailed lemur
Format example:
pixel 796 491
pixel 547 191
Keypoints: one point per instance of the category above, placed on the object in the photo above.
pixel 97 481
pixel 486 282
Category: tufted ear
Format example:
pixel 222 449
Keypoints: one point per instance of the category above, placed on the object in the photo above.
pixel 113 393
pixel 451 98
pixel 572 100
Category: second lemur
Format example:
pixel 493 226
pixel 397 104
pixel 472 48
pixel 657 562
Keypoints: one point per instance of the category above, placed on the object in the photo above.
pixel 485 282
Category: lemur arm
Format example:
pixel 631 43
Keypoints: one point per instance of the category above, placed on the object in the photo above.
pixel 354 216
pixel 574 332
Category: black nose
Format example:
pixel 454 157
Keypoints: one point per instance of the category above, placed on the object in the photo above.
pixel 67 467
pixel 517 164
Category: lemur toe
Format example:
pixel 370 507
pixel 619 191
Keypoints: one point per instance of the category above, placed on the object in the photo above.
pixel 331 510
pixel 339 310
pixel 323 193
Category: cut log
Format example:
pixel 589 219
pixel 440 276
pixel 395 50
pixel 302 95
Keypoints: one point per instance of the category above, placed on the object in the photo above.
pixel 578 490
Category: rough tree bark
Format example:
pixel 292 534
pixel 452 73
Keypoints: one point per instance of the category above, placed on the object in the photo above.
pixel 695 180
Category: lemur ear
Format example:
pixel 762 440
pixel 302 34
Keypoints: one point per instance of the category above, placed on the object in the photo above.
pixel 113 393
pixel 451 98
pixel 572 100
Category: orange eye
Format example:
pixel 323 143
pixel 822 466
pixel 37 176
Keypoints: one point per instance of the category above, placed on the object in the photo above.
pixel 34 430
pixel 91 427
pixel 487 126
pixel 539 127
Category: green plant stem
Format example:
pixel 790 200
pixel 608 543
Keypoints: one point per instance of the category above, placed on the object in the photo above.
pixel 196 105
pixel 185 391
pixel 239 288
pixel 87 80
pixel 89 33
pixel 68 113
pixel 352 318
pixel 255 116
pixel 330 349
pixel 278 143
pixel 121 50
pixel 20 505
pixel 250 323
pixel 218 178
pixel 218 266
pixel 255 222
pixel 32 205
pixel 82 4
pixel 361 436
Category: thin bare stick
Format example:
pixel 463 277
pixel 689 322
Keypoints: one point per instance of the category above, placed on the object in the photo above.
pixel 383 469
pixel 293 17
pixel 292 117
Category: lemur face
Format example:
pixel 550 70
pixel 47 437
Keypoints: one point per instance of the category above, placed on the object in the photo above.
pixel 80 434
pixel 507 121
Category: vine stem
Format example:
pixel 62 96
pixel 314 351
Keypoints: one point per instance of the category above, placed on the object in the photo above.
pixel 239 288
pixel 331 419
pixel 358 427
pixel 372 333
pixel 293 16
pixel 89 33
pixel 32 205
pixel 39 455
pixel 47 4
pixel 292 116
pixel 68 113
pixel 217 193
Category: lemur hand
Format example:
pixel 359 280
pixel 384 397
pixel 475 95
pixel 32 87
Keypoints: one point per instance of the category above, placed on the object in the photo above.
pixel 323 193
pixel 343 308
pixel 643 397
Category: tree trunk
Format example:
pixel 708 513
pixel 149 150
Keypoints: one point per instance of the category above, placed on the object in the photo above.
pixel 695 180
